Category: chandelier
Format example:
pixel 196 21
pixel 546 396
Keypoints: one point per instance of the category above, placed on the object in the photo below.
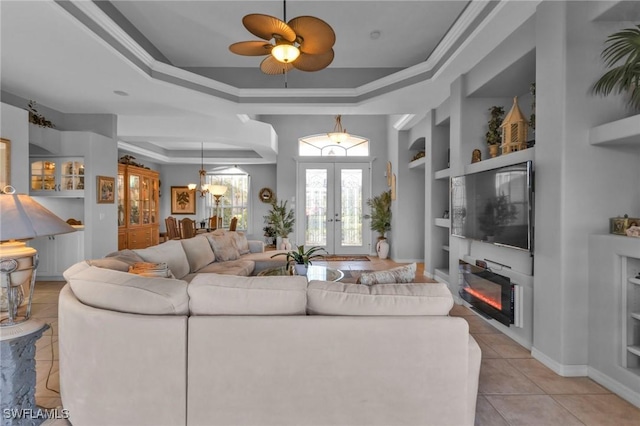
pixel 339 135
pixel 336 143
pixel 216 190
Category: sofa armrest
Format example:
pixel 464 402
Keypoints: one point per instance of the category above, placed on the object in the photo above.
pixel 256 246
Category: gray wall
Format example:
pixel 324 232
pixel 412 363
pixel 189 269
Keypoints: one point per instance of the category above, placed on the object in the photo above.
pixel 261 175
pixel 289 128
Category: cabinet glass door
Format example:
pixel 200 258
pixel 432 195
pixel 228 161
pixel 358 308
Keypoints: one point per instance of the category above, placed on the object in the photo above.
pixel 121 214
pixel 134 200
pixel 154 197
pixel 72 175
pixel 43 176
pixel 145 199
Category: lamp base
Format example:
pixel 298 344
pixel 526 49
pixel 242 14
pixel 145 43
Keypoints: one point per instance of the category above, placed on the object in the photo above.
pixel 17 268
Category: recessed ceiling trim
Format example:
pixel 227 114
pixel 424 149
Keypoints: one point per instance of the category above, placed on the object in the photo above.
pixel 91 16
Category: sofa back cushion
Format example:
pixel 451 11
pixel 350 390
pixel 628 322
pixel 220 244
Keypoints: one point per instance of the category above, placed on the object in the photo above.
pixel 224 247
pixel 170 252
pixel 242 244
pixel 214 294
pixel 199 252
pixel 124 292
pixel 335 298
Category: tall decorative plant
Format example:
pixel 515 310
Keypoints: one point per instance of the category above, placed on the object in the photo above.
pixel 493 135
pixel 622 56
pixel 380 213
pixel 281 218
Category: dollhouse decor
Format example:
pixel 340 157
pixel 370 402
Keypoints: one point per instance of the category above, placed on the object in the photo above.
pixel 514 130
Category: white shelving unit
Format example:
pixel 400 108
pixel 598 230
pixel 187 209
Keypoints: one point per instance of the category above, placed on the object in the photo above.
pixel 442 275
pixel 501 161
pixel 419 163
pixel 620 132
pixel 442 174
pixel 443 223
pixel 633 317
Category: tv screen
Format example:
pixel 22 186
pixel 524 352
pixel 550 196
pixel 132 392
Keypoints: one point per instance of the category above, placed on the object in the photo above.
pixel 494 206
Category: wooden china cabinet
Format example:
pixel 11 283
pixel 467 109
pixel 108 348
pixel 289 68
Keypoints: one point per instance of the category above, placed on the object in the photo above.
pixel 138 207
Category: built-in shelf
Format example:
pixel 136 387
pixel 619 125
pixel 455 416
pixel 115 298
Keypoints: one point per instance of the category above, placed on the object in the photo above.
pixel 634 350
pixel 635 315
pixel 442 174
pixel 501 161
pixel 444 223
pixel 445 248
pixel 419 163
pixel 441 275
pixel 620 132
pixel 418 143
pixel 635 281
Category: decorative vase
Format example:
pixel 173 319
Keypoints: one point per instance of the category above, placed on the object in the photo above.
pixel 382 248
pixel 4 298
pixel 285 244
pixel 301 269
pixel 493 150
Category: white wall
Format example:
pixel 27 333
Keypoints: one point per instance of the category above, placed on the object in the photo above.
pixel 14 126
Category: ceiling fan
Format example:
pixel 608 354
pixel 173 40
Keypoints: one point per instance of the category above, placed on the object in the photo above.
pixel 304 43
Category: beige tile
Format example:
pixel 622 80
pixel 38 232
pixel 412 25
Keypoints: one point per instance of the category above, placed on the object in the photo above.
pixel 601 410
pixel 479 326
pixel 538 410
pixel 44 310
pixel 497 376
pixel 49 402
pixel 552 383
pixel 487 415
pixel 487 351
pixel 461 311
pixel 504 346
pixel 45 353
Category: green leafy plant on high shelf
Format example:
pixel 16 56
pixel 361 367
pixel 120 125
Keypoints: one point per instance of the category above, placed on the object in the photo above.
pixel 622 56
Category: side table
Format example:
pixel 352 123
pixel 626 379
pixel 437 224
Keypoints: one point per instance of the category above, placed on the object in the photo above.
pixel 18 373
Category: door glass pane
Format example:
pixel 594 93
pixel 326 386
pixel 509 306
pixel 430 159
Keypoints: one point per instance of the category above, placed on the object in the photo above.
pixel 316 207
pixel 351 210
pixel 134 200
pixel 120 200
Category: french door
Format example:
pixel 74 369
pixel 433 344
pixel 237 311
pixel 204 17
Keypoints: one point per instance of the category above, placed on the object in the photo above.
pixel 332 198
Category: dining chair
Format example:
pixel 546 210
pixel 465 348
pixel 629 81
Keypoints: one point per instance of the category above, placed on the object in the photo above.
pixel 213 222
pixel 233 224
pixel 187 228
pixel 172 228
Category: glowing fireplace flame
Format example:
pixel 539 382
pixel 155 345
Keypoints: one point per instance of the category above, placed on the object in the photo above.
pixel 495 303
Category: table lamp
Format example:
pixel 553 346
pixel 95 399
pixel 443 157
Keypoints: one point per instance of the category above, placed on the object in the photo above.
pixel 21 219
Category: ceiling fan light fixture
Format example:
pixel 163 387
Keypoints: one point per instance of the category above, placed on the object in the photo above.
pixel 285 52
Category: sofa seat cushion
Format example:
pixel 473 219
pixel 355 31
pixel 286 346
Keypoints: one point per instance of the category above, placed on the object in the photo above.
pixel 215 294
pixel 335 298
pixel 242 268
pixel 170 252
pixel 199 252
pixel 124 292
pixel 399 274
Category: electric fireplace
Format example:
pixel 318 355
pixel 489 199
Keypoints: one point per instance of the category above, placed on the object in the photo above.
pixel 489 293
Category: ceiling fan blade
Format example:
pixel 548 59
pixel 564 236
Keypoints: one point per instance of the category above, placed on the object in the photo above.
pixel 273 67
pixel 306 62
pixel 316 36
pixel 251 48
pixel 265 26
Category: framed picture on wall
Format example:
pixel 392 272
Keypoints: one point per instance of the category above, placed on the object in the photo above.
pixel 5 162
pixel 106 190
pixel 183 200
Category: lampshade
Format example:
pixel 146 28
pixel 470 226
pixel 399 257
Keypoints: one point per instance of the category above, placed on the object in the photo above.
pixel 285 53
pixel 217 189
pixel 22 218
pixel 339 135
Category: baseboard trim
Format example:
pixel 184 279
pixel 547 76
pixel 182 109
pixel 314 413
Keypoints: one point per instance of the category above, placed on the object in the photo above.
pixel 408 260
pixel 614 386
pixel 560 369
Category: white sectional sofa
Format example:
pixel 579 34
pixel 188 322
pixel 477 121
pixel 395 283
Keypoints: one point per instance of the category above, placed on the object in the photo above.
pixel 238 350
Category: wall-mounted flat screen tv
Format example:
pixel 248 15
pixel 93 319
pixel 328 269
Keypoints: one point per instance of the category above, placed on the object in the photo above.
pixel 495 206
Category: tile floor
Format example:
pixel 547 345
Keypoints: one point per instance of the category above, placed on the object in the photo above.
pixel 514 388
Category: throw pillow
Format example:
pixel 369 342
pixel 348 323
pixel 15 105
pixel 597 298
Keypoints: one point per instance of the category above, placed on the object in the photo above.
pixel 127 256
pixel 198 251
pixel 224 247
pixel 241 241
pixel 150 269
pixel 110 263
pixel 400 274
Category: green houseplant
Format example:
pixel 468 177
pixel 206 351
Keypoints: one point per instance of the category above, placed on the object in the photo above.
pixel 381 220
pixel 493 135
pixel 623 48
pixel 301 258
pixel 282 219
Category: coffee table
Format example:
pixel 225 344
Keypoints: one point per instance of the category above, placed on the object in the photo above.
pixel 314 272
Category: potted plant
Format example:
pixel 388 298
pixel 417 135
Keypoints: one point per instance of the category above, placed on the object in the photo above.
pixel 301 258
pixel 497 213
pixel 269 234
pixel 623 47
pixel 381 220
pixel 282 219
pixel 493 135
